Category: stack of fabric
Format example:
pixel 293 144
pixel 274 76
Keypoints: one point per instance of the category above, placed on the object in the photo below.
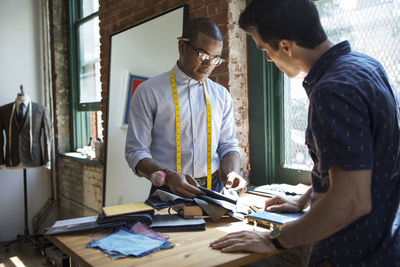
pixel 214 204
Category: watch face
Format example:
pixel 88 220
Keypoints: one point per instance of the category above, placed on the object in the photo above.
pixel 275 233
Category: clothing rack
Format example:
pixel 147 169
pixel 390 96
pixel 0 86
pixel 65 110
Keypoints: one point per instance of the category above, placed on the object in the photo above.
pixel 26 236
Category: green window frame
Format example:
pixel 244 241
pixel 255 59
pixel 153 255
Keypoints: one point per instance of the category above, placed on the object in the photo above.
pixel 266 83
pixel 81 113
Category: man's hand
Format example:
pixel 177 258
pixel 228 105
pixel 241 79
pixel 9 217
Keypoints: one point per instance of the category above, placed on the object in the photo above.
pixel 248 241
pixel 288 203
pixel 236 182
pixel 283 204
pixel 182 185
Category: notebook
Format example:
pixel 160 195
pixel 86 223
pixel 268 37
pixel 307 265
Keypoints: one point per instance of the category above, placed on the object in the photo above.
pixel 137 207
pixel 268 219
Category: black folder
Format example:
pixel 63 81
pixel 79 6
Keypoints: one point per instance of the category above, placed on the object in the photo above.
pixel 175 223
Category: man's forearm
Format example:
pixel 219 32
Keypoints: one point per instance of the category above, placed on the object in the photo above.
pixel 146 167
pixel 347 200
pixel 324 219
pixel 229 163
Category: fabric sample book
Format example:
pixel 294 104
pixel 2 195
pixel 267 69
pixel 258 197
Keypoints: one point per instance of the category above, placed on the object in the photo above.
pixel 175 223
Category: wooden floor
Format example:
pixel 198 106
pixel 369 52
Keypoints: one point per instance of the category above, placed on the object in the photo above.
pixel 24 252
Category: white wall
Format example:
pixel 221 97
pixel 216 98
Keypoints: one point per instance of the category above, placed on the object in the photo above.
pixel 20 63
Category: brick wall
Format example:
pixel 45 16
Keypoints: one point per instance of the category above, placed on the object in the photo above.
pixel 116 15
pixel 60 69
pixel 81 188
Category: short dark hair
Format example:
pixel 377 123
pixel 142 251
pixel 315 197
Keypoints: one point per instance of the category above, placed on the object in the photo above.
pixel 204 25
pixel 295 20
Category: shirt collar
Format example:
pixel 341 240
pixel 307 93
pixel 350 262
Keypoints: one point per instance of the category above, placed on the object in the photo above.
pixel 325 61
pixel 183 78
pixel 26 102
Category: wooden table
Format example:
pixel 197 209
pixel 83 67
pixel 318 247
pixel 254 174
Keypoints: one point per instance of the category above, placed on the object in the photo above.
pixel 191 248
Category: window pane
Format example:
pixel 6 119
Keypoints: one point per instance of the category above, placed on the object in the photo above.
pixel 89 62
pixel 373 28
pixel 90 126
pixel 295 121
pixel 96 126
pixel 88 7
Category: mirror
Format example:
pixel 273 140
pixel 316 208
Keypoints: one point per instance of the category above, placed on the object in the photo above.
pixel 137 53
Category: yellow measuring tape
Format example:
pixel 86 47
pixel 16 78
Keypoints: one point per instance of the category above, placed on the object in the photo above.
pixel 178 129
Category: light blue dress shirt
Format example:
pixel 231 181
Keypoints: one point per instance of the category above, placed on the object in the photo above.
pixel 151 128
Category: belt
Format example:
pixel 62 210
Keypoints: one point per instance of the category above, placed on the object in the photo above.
pixel 203 180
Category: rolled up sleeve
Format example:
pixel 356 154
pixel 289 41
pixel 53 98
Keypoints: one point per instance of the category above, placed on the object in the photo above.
pixel 140 124
pixel 227 141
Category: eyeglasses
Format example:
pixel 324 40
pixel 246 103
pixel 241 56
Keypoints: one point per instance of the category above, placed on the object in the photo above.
pixel 203 56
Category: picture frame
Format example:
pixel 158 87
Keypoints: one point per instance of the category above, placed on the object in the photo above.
pixel 132 82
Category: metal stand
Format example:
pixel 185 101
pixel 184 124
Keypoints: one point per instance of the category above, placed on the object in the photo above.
pixel 25 237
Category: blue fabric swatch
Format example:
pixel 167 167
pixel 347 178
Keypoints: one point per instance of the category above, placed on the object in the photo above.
pixel 128 243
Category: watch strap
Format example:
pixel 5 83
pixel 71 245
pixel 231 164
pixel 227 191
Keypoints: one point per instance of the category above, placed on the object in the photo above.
pixel 276 243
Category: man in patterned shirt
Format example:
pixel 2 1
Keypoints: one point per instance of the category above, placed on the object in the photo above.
pixel 353 138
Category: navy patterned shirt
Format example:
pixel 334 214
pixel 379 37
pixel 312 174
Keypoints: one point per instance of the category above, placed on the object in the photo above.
pixel 354 123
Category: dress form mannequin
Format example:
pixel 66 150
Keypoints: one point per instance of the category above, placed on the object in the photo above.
pixel 24 98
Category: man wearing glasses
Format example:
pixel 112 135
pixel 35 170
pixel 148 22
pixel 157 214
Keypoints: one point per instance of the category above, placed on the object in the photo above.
pixel 181 131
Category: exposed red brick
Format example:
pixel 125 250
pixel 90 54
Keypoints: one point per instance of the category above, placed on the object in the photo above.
pixel 221 68
pixel 223 80
pixel 222 5
pixel 224 29
pixel 201 12
pixel 212 9
pixel 225 53
pixel 210 1
pixel 198 3
pixel 212 77
pixel 220 18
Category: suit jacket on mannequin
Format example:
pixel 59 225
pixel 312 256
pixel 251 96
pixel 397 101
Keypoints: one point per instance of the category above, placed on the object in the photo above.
pixel 20 140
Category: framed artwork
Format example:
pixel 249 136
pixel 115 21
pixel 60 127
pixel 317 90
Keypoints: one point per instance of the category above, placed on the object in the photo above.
pixel 133 82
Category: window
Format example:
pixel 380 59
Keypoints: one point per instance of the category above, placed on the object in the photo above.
pixel 85 72
pixel 372 27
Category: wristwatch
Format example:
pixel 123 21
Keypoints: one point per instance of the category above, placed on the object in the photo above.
pixel 273 235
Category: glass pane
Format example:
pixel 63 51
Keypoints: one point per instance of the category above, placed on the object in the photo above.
pixel 373 28
pixel 89 62
pixel 96 126
pixel 88 7
pixel 89 128
pixel 295 121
